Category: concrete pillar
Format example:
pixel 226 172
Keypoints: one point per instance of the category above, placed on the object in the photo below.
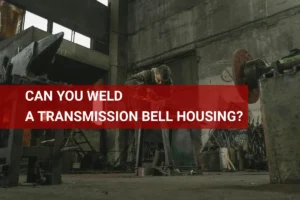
pixel 118 66
pixel 280 117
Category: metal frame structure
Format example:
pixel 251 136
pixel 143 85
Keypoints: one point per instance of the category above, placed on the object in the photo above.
pixel 169 163
pixel 30 66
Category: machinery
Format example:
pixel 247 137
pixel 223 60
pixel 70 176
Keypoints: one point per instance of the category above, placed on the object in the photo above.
pixel 163 161
pixel 42 148
pixel 277 85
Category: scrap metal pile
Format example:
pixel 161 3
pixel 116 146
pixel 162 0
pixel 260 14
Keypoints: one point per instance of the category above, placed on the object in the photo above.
pixel 251 139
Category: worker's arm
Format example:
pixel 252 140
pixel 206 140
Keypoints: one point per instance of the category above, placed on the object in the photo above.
pixel 139 91
pixel 139 78
pixel 134 81
pixel 140 94
pixel 169 82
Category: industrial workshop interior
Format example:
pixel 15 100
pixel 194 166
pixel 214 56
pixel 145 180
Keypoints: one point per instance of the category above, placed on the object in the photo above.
pixel 204 42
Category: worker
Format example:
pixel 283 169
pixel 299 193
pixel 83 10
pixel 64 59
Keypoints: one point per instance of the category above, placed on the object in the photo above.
pixel 160 75
pixel 154 76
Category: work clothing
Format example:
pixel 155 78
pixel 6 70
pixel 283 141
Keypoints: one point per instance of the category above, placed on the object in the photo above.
pixel 145 77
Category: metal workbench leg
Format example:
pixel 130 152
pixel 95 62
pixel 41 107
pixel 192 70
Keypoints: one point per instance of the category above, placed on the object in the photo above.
pixel 31 171
pixel 57 157
pixel 196 150
pixel 169 161
pixel 32 161
pixel 13 159
pixel 13 151
pixel 139 149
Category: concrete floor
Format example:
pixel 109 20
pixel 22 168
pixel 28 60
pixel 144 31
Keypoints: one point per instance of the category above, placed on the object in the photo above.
pixel 213 186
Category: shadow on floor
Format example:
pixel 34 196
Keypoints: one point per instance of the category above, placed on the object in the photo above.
pixel 282 188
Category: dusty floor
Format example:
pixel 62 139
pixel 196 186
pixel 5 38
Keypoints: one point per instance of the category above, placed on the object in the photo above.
pixel 216 186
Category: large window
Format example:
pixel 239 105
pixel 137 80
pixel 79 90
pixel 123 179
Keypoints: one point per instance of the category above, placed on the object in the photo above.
pixel 41 23
pixel 59 28
pixel 36 21
pixel 72 35
pixel 82 40
pixel 104 2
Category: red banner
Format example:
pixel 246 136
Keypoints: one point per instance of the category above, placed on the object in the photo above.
pixel 149 107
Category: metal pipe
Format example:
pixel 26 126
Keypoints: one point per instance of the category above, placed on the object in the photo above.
pixel 287 66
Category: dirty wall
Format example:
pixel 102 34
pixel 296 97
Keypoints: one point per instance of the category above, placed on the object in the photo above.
pixel 214 29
